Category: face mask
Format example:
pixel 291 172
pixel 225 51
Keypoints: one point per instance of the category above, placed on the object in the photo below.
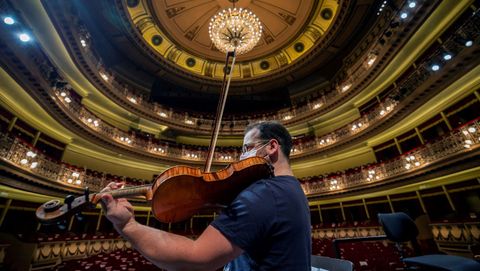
pixel 252 152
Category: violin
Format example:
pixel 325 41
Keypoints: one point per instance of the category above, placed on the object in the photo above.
pixel 175 195
pixel 180 191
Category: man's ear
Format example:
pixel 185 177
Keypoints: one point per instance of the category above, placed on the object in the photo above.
pixel 275 146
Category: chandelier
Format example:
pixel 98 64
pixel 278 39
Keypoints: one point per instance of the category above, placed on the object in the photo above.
pixel 235 30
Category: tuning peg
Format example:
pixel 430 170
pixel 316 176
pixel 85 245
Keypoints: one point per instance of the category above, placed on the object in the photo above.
pixel 62 225
pixel 68 200
pixel 86 192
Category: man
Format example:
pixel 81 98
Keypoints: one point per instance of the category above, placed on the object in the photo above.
pixel 267 226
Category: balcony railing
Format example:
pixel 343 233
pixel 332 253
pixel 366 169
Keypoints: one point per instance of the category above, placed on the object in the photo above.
pixel 461 140
pixel 346 79
pixel 403 89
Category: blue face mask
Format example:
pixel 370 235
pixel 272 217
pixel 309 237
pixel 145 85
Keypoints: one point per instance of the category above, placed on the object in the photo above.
pixel 252 152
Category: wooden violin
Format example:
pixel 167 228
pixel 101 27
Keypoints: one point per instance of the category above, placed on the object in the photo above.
pixel 176 194
pixel 180 191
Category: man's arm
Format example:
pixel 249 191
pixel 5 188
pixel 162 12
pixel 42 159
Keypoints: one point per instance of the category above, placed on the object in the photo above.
pixel 174 252
pixel 166 250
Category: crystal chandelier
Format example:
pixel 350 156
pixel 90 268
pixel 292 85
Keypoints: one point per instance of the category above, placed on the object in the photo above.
pixel 235 30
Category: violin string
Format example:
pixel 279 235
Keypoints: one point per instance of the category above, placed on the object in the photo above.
pixel 128 191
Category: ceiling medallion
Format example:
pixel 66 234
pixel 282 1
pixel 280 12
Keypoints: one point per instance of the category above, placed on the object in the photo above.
pixel 235 30
pixel 284 26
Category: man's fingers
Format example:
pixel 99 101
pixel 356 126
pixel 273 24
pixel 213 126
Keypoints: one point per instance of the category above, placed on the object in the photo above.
pixel 107 199
pixel 113 186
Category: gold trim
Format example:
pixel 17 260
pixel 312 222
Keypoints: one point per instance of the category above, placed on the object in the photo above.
pixel 435 182
pixel 141 18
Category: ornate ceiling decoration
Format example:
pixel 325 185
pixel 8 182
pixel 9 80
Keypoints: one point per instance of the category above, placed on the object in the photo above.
pixel 178 31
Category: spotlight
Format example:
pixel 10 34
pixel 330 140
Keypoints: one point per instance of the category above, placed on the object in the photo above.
pixel 435 67
pixel 447 56
pixel 24 37
pixel 8 20
pixel 412 4
pixel 462 40
pixel 404 15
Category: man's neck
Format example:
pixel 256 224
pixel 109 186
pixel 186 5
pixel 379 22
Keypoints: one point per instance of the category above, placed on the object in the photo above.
pixel 282 169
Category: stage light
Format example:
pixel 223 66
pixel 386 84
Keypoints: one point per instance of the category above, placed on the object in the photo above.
pixel 447 56
pixel 404 15
pixel 8 20
pixel 469 43
pixel 412 4
pixel 435 67
pixel 24 37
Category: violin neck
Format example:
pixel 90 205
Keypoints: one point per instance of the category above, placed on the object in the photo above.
pixel 130 191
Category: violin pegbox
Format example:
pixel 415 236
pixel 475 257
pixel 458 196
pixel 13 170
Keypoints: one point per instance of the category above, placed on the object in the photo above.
pixel 53 211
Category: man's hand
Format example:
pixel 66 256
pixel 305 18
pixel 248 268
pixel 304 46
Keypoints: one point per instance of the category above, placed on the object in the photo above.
pixel 118 211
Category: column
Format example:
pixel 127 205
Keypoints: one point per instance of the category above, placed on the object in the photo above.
pixel 148 217
pixel 477 95
pixel 448 198
pixel 421 202
pixel 419 135
pixel 399 148
pixel 99 219
pixel 366 208
pixel 5 210
pixel 35 139
pixel 444 117
pixel 343 212
pixel 70 224
pixel 320 213
pixel 12 123
pixel 390 203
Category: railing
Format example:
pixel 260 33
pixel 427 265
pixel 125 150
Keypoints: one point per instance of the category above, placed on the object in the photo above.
pixel 22 155
pixel 461 140
pixel 151 145
pixel 456 236
pixel 191 153
pixel 236 125
pixel 346 232
pixel 50 253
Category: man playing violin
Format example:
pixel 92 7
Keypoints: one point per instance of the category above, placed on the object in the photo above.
pixel 266 227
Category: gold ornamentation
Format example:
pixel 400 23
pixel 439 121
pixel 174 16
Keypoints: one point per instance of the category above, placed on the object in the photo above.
pixel 235 29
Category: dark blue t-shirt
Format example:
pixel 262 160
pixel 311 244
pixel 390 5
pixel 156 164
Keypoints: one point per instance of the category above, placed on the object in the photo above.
pixel 270 221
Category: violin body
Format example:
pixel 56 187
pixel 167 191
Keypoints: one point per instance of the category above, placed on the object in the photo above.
pixel 182 191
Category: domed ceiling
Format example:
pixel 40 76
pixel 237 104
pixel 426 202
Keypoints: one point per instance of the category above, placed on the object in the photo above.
pixel 178 31
pixel 163 49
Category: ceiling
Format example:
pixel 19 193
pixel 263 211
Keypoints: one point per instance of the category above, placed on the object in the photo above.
pixel 151 45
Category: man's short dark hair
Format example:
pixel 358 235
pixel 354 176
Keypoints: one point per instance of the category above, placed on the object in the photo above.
pixel 273 130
